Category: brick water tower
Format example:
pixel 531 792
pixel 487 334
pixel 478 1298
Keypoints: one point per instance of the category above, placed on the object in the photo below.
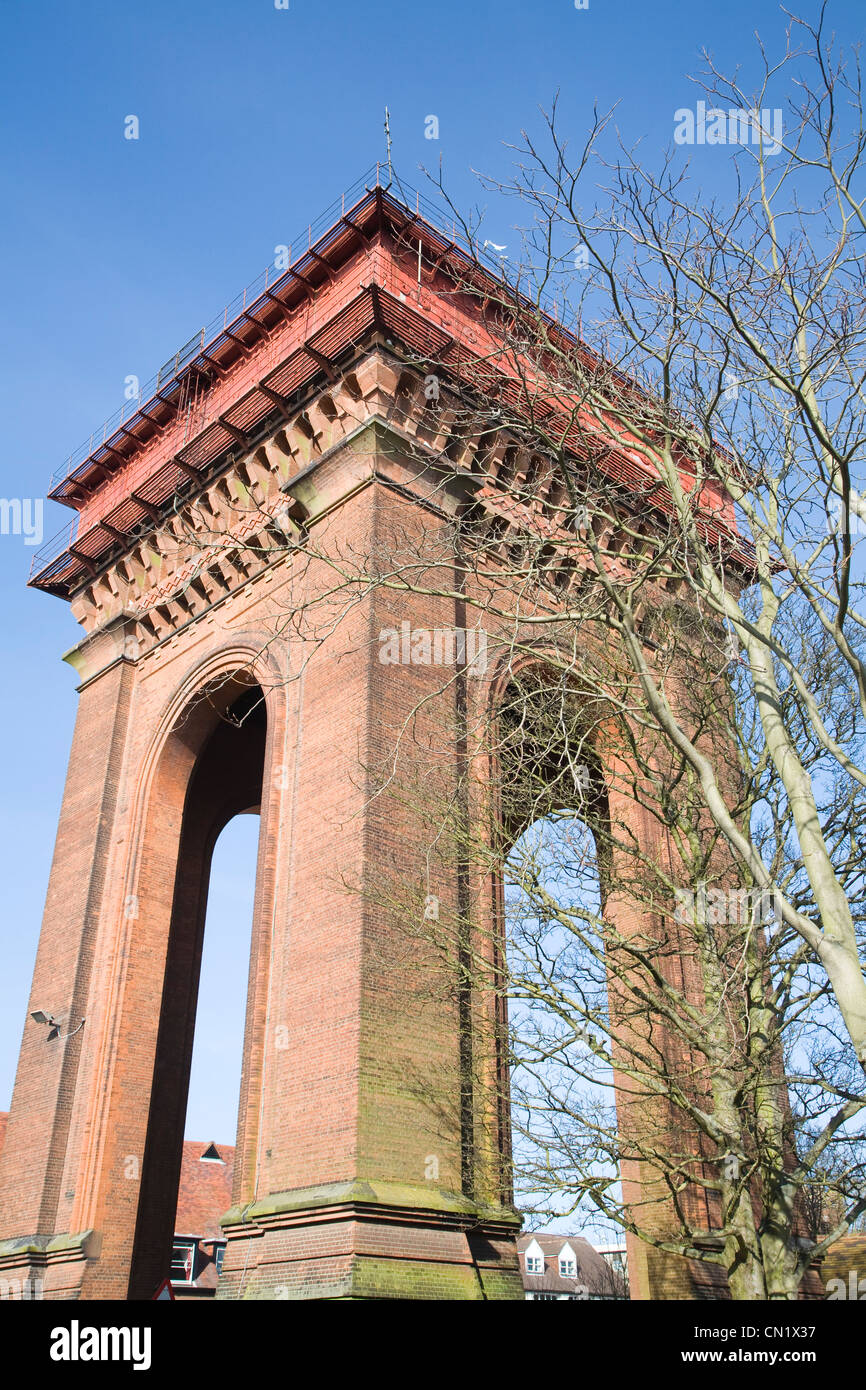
pixel 222 671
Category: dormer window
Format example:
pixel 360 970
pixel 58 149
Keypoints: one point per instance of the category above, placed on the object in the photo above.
pixel 567 1263
pixel 183 1261
pixel 533 1259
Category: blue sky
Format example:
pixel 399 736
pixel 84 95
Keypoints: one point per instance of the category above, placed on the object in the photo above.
pixel 114 252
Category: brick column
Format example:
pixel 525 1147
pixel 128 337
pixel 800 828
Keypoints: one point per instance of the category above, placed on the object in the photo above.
pixel 34 1155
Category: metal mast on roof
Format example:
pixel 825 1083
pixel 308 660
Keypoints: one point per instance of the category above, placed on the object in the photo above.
pixel 388 144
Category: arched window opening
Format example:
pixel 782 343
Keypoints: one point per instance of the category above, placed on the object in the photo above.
pixel 226 727
pixel 553 815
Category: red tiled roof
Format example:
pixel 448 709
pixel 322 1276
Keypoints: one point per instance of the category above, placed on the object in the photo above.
pixel 205 1192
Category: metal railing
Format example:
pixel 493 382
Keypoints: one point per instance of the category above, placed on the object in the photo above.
pixel 168 378
pixel 160 384
pixel 52 549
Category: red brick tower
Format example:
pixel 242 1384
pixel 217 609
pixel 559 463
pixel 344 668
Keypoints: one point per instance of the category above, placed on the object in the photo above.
pixel 369 1157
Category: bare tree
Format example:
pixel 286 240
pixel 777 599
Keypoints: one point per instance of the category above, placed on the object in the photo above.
pixel 741 327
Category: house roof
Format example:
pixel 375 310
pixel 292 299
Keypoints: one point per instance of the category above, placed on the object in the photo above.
pixel 592 1272
pixel 205 1190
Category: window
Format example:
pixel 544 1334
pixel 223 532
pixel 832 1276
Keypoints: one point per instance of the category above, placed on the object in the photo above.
pixel 534 1264
pixel 566 1267
pixel 183 1262
pixel 218 1255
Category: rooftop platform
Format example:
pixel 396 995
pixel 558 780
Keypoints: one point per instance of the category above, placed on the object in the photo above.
pixel 381 261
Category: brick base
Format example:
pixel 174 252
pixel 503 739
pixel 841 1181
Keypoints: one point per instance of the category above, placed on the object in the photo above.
pixel 370 1240
pixel 56 1264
